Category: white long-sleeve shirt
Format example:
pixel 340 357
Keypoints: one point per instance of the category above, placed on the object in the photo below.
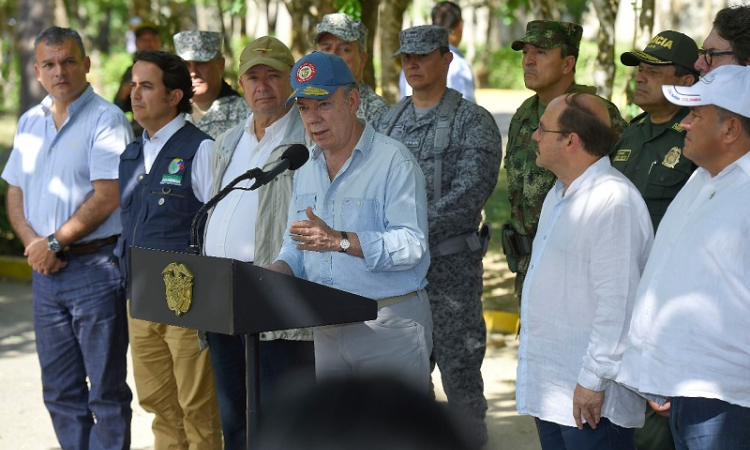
pixel 689 334
pixel 587 257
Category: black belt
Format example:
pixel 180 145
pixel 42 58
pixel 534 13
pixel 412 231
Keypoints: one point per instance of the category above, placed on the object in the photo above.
pixel 87 248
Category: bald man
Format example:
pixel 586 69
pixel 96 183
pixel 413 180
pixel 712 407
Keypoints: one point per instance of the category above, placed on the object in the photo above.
pixel 572 319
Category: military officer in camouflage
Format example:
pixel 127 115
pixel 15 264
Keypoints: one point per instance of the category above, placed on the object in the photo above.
pixel 346 38
pixel 550 53
pixel 649 153
pixel 459 148
pixel 216 106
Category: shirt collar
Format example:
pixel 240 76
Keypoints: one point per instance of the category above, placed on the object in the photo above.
pixel 74 107
pixel 279 126
pixel 166 132
pixel 599 166
pixel 364 145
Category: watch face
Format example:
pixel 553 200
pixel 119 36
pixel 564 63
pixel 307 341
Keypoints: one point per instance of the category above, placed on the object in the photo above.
pixel 53 245
pixel 344 244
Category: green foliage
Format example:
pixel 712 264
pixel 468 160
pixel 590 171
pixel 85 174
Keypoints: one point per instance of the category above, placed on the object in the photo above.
pixel 505 69
pixel 350 7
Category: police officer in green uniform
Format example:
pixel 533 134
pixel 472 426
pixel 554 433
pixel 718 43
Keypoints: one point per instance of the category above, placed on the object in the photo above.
pixel 550 52
pixel 649 153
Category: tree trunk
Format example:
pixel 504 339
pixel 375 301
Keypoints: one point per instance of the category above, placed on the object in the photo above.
pixel 391 20
pixel 33 17
pixel 604 69
pixel 370 19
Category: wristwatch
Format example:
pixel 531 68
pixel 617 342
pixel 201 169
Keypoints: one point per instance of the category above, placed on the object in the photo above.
pixel 344 243
pixel 52 244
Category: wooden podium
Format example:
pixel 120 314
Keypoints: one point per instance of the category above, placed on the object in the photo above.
pixel 235 297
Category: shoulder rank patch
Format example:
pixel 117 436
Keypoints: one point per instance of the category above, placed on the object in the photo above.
pixel 622 155
pixel 672 157
pixel 677 128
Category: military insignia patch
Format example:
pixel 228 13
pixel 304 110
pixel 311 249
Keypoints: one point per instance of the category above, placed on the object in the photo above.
pixel 305 72
pixel 178 281
pixel 622 155
pixel 672 157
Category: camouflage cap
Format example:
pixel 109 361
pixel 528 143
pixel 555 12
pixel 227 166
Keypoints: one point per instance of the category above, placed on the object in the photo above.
pixel 422 40
pixel 343 27
pixel 197 45
pixel 268 51
pixel 665 49
pixel 549 34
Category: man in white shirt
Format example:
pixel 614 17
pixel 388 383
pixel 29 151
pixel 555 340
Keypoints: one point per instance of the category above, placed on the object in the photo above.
pixel 688 338
pixel 250 225
pixel 165 178
pixel 592 243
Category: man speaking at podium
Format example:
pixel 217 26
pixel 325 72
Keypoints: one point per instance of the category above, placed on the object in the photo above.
pixel 358 222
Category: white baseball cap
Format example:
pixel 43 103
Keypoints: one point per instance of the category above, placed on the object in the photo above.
pixel 726 87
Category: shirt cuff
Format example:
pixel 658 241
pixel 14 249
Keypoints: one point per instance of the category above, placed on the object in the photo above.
pixel 591 381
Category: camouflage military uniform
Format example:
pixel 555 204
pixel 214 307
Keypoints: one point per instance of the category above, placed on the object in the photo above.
pixel 370 103
pixel 469 175
pixel 528 184
pixel 349 29
pixel 226 111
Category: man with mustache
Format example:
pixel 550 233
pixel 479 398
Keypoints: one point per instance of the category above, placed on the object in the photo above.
pixel 649 153
pixel 550 53
pixel 216 106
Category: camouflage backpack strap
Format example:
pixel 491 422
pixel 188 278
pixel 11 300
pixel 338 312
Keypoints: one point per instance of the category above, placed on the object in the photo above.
pixel 446 114
pixel 393 114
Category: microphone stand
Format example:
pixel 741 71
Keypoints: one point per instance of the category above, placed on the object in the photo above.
pixel 195 246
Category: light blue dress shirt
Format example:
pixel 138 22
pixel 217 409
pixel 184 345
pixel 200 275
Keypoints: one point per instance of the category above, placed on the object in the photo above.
pixel 379 193
pixel 55 168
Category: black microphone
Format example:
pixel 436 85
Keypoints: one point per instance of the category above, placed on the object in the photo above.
pixel 293 158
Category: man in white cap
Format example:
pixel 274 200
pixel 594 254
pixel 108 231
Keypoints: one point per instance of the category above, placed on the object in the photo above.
pixel 216 106
pixel 346 38
pixel 688 341
pixel 249 226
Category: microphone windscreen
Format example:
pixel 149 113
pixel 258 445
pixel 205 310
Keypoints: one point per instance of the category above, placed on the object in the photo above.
pixel 297 154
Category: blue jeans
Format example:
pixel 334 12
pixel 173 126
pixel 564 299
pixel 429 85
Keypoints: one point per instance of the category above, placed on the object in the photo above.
pixel 281 362
pixel 705 423
pixel 606 436
pixel 81 331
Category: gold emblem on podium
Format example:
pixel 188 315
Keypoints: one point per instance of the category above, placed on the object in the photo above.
pixel 179 284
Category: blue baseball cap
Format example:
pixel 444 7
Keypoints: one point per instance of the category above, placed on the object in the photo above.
pixel 318 75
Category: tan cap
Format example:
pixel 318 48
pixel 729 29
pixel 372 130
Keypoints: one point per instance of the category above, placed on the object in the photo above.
pixel 268 51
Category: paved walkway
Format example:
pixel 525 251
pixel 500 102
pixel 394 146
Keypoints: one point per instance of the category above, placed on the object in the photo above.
pixel 25 423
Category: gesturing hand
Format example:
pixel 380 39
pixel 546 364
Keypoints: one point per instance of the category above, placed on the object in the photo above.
pixel 314 234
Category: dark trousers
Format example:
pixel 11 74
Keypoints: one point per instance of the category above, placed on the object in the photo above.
pixel 81 330
pixel 282 362
pixel 606 436
pixel 706 424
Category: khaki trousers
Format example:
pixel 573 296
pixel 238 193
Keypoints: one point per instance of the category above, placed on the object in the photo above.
pixel 176 383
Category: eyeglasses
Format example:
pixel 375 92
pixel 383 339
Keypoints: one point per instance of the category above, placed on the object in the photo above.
pixel 708 55
pixel 543 130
